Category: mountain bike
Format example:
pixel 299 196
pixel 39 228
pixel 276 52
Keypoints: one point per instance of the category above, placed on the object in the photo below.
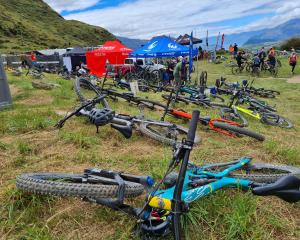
pixel 164 132
pixel 171 197
pixel 86 90
pixel 257 110
pixel 36 72
pixel 228 88
pixel 223 126
pixel 235 69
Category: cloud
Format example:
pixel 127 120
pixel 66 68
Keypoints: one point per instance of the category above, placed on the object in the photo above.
pixel 144 18
pixel 70 5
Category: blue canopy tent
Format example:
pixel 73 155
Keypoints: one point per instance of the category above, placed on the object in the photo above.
pixel 160 47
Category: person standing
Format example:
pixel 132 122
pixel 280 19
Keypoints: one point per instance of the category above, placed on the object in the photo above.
pixel 231 50
pixel 293 61
pixel 240 60
pixel 179 71
pixel 235 50
pixel 262 55
pixel 33 58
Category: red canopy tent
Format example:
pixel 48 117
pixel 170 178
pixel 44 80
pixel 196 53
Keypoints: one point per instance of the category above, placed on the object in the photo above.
pixel 112 51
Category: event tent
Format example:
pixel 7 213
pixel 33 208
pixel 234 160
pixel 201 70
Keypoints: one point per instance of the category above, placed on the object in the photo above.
pixel 185 40
pixel 159 47
pixel 112 52
pixel 73 58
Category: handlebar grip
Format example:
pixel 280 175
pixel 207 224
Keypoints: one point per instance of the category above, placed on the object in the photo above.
pixel 193 126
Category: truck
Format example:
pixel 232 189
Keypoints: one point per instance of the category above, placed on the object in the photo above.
pixel 130 65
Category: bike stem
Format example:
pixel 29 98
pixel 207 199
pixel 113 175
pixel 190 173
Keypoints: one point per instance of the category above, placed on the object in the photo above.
pixel 177 203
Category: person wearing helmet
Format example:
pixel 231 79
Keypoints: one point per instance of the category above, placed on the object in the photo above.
pixel 293 61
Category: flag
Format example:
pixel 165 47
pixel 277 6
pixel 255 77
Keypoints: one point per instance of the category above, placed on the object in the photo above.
pixel 191 55
pixel 223 38
pixel 207 38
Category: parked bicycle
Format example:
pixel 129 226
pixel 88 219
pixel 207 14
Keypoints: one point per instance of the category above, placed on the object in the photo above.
pixel 256 109
pixel 171 197
pixel 164 132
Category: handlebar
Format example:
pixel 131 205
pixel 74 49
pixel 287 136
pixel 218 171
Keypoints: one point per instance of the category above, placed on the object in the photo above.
pixel 94 101
pixel 193 126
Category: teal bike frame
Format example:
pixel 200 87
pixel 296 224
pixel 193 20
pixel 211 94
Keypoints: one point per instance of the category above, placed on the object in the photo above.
pixel 162 198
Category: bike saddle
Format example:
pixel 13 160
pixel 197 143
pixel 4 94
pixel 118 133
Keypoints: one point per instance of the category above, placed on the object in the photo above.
pixel 101 117
pixel 126 130
pixel 286 188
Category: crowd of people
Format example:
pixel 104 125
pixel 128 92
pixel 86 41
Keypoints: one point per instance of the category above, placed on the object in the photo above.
pixel 261 57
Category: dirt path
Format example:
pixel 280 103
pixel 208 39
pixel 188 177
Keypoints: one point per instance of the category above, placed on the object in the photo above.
pixel 295 79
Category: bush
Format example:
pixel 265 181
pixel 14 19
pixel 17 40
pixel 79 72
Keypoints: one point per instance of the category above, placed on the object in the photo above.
pixel 293 42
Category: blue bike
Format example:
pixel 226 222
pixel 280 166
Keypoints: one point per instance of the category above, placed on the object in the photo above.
pixel 169 198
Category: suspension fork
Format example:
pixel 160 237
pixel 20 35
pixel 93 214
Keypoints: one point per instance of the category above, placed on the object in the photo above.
pixel 178 204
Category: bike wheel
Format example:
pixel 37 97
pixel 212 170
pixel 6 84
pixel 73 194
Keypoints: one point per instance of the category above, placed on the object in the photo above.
pixel 86 91
pixel 238 130
pixel 71 185
pixel 231 115
pixel 166 134
pixel 276 120
pixel 258 172
pixel 235 70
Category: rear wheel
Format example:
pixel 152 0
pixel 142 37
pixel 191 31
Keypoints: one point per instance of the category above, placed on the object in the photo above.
pixel 86 91
pixel 167 134
pixel 72 185
pixel 258 172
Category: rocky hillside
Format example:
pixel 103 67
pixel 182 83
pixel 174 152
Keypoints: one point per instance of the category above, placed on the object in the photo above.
pixel 32 24
pixel 279 33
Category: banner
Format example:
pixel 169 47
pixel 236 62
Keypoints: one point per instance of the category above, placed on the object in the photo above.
pixel 191 56
pixel 223 38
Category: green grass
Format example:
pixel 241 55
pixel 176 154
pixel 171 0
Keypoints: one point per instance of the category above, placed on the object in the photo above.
pixel 32 25
pixel 29 143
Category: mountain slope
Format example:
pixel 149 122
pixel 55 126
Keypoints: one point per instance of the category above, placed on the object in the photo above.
pixel 282 32
pixel 132 43
pixel 32 24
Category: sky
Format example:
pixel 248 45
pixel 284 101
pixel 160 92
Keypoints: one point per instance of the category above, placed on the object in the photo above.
pixel 144 19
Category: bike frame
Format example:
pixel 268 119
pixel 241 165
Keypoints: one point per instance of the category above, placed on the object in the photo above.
pixel 252 113
pixel 163 198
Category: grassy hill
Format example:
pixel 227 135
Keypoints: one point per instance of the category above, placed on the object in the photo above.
pixel 32 24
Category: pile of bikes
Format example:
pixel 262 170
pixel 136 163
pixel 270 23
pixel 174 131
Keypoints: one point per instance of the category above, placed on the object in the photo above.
pixel 171 197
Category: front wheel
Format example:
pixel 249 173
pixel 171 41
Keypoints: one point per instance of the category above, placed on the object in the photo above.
pixel 276 120
pixel 72 185
pixel 168 134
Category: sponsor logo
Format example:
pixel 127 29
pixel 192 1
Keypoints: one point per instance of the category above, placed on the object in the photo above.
pixel 172 46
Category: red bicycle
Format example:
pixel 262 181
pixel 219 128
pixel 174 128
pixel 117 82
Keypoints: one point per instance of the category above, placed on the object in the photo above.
pixel 223 126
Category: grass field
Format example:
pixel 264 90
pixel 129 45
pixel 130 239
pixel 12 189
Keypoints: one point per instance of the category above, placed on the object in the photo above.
pixel 28 142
